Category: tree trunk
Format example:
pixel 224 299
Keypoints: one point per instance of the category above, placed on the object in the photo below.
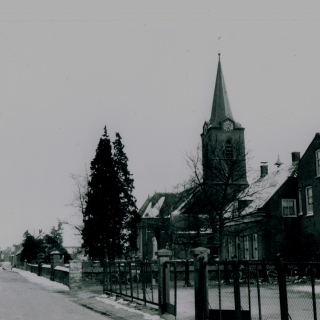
pixel 221 234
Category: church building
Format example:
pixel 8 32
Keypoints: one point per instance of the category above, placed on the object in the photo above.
pixel 220 210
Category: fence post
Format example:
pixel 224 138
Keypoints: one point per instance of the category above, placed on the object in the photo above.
pixel 163 255
pixel 187 274
pixel 312 272
pixel 75 274
pixel 236 289
pixel 200 259
pixel 282 291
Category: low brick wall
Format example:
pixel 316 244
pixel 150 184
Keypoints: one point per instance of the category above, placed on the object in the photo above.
pixel 73 277
pixel 95 276
pixel 58 274
pixel 61 275
pixel 91 273
pixel 46 271
pixel 33 268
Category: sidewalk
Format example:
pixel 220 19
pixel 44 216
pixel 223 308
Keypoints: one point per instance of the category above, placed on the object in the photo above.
pixel 115 307
pixel 92 297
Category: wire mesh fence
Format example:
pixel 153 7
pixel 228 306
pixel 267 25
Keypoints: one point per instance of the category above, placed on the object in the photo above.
pixel 265 290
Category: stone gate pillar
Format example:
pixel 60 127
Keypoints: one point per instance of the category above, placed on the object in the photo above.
pixel 163 256
pixel 75 274
pixel 200 259
pixel 54 259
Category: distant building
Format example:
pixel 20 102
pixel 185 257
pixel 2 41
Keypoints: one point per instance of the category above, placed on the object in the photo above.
pixel 76 252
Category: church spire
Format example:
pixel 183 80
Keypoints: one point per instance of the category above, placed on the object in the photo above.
pixel 221 109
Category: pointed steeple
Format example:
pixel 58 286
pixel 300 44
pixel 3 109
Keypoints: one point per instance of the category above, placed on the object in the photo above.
pixel 220 106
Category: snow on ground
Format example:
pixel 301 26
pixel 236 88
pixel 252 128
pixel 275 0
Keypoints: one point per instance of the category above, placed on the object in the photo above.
pixel 307 288
pixel 121 304
pixel 32 277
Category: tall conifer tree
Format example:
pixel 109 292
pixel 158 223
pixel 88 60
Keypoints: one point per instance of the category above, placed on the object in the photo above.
pixel 128 201
pixel 103 214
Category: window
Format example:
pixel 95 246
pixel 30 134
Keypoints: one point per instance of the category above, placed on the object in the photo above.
pixel 309 201
pixel 238 247
pixel 255 246
pixel 230 247
pixel 229 153
pixel 318 162
pixel 300 202
pixel 235 212
pixel 246 248
pixel 289 208
pixel 226 247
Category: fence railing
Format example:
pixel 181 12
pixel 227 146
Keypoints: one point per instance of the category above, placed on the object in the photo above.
pixel 134 280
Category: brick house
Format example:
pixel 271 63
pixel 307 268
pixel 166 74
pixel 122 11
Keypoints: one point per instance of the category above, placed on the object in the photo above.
pixel 262 224
pixel 309 197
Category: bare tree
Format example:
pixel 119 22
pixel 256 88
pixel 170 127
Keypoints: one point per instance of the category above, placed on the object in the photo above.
pixel 221 190
pixel 212 204
pixel 79 201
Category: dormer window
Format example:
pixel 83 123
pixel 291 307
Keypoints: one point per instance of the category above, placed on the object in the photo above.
pixel 318 162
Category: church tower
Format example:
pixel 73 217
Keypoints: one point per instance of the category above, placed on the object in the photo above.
pixel 223 145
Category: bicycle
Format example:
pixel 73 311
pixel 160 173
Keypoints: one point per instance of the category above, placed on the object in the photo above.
pixel 246 275
pixel 272 276
pixel 116 277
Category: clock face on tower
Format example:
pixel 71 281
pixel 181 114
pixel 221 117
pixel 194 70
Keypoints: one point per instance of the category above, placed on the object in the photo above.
pixel 227 125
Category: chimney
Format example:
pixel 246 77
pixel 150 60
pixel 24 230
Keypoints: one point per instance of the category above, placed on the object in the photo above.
pixel 263 169
pixel 295 157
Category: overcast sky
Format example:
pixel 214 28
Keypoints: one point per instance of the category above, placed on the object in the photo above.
pixel 145 69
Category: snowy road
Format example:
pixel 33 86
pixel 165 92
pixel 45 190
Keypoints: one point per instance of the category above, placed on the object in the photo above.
pixel 22 299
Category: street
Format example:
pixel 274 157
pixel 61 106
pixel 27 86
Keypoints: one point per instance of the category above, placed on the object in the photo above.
pixel 21 299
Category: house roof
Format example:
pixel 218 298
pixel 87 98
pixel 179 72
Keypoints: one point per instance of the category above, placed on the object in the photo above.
pixel 261 190
pixel 19 251
pixel 254 197
pixel 164 204
pixel 317 136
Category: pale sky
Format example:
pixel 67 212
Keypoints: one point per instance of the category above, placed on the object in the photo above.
pixel 145 69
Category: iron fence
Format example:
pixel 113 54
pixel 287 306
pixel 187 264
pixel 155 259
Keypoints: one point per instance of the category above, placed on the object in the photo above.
pixel 134 280
pixel 264 290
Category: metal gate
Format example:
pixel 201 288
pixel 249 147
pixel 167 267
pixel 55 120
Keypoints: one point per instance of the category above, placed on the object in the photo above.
pixel 135 280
